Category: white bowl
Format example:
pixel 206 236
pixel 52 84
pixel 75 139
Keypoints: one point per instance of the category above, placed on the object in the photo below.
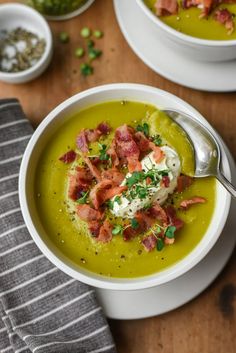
pixel 72 14
pixel 195 48
pixel 44 133
pixel 17 15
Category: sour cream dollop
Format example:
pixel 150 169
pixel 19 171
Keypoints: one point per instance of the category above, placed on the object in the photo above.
pixel 133 199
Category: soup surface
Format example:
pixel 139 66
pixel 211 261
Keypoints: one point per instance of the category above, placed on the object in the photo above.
pixel 188 22
pixel 117 258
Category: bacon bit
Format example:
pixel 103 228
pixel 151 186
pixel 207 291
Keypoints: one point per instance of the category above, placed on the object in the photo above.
pixel 83 176
pixel 114 175
pixel 104 191
pixel 112 153
pixel 158 154
pixel 92 135
pixel 149 243
pixel 142 141
pixel 185 204
pixel 104 128
pixel 225 17
pixel 68 157
pixel 105 233
pixel 94 228
pixel 126 147
pixel 148 180
pixel 93 169
pixel 81 141
pixel 166 7
pixel 87 213
pixel 169 241
pixel 166 181
pixel 134 165
pixel 158 213
pixel 172 219
pixel 183 182
pixel 75 190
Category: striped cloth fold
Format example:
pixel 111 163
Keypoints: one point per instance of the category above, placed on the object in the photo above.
pixel 41 308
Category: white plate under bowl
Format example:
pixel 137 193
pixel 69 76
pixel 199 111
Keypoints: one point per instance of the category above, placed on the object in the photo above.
pixel 140 33
pixel 127 305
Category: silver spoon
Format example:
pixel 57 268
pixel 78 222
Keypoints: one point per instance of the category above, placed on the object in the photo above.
pixel 206 148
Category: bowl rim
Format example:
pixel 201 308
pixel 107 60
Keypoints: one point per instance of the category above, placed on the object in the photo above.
pixel 48 39
pixel 91 278
pixel 182 36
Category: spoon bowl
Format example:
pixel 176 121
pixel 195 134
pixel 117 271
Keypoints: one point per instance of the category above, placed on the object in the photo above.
pixel 207 151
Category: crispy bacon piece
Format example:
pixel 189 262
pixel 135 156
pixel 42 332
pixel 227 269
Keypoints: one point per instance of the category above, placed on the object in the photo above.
pixel 149 243
pixel 166 181
pixel 104 191
pixel 158 154
pixel 87 213
pixel 183 182
pixel 112 153
pixel 172 218
pixel 114 175
pixel 158 213
pixel 68 157
pixel 166 7
pixel 81 141
pixel 126 147
pixel 144 223
pixel 206 5
pixel 185 204
pixel 94 228
pixel 93 169
pixel 79 183
pixel 104 128
pixel 225 17
pixel 142 141
pixel 105 233
pixel 92 135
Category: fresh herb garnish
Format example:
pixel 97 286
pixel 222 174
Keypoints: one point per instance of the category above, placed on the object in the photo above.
pixel 86 69
pixel 163 172
pixel 142 192
pixel 143 128
pixel 118 229
pixel 134 223
pixel 103 152
pixel 157 140
pixel 118 200
pixel 83 198
pixel 160 244
pixel 134 178
pixel 110 204
pixel 170 232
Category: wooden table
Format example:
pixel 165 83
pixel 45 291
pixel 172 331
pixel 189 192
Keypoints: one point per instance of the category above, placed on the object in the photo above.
pixel 208 323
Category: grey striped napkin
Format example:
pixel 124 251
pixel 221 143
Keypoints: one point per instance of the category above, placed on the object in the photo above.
pixel 41 308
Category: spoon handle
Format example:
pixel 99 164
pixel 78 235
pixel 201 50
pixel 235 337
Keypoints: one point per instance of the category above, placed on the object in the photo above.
pixel 225 182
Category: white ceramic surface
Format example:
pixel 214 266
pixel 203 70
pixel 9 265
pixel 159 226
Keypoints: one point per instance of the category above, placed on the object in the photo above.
pixel 45 131
pixel 173 65
pixel 17 15
pixel 139 304
pixel 195 48
pixel 70 15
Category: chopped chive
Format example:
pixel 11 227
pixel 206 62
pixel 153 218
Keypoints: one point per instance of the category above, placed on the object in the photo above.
pixel 134 223
pixel 79 52
pixel 85 32
pixel 98 34
pixel 118 229
pixel 83 199
pixel 86 69
pixel 64 37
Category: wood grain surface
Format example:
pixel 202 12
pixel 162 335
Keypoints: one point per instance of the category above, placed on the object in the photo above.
pixel 208 323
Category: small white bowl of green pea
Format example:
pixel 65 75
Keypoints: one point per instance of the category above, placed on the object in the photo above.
pixel 25 43
pixel 60 10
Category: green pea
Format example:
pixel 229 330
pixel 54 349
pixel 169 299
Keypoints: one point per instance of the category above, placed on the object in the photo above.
pixel 64 37
pixel 85 32
pixel 79 52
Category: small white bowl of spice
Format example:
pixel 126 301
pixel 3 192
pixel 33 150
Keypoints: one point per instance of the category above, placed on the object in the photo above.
pixel 25 43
